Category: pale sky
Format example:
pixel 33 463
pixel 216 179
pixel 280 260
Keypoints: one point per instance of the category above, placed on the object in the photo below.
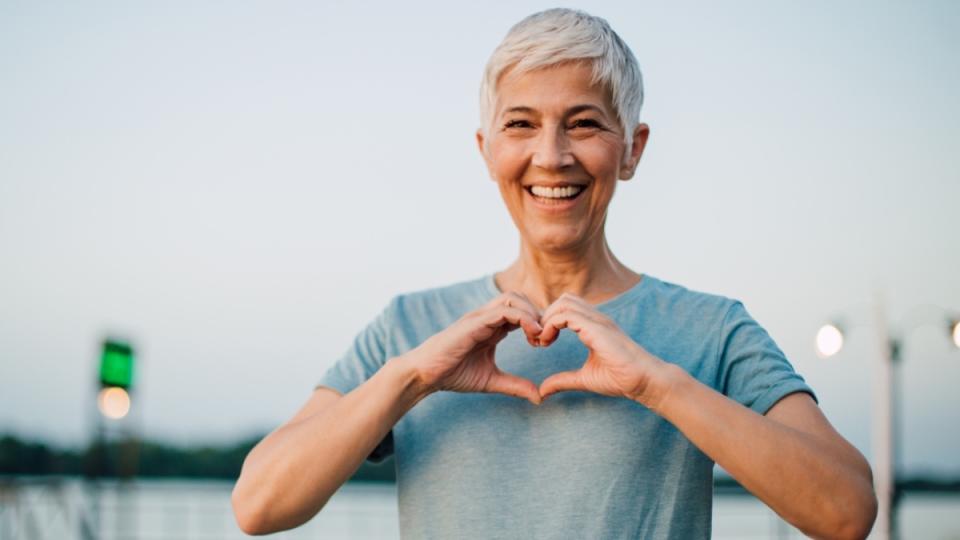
pixel 239 187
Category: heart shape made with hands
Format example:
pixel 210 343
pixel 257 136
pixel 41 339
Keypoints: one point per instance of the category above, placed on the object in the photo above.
pixel 616 365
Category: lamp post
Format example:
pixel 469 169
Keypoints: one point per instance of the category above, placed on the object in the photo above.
pixel 113 444
pixel 887 418
pixel 116 379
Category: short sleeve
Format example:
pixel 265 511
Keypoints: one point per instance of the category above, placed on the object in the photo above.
pixel 366 355
pixel 754 371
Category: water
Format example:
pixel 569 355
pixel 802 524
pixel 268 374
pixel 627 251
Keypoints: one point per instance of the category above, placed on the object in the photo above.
pixel 200 510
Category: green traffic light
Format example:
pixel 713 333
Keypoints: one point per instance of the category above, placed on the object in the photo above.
pixel 116 364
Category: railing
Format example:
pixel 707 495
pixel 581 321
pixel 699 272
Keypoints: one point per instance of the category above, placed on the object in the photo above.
pixel 41 508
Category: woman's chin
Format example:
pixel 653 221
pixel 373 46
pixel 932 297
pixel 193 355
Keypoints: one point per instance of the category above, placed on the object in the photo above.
pixel 556 241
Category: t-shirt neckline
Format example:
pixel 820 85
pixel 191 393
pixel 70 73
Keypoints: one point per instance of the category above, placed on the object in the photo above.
pixel 624 298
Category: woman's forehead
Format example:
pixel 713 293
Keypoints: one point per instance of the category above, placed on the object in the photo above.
pixel 554 88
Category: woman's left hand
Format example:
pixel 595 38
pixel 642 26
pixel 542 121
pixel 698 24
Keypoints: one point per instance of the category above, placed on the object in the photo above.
pixel 616 366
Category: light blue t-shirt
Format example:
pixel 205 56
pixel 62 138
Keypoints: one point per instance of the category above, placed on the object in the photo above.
pixel 580 465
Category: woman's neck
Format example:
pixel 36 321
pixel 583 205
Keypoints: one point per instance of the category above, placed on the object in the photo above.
pixel 592 273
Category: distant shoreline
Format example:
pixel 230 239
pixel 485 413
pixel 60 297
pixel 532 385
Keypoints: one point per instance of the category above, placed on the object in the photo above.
pixel 148 460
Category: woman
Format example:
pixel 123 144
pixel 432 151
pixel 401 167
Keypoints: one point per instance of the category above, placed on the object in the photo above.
pixel 674 380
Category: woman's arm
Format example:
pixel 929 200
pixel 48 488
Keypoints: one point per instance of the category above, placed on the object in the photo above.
pixel 792 459
pixel 289 476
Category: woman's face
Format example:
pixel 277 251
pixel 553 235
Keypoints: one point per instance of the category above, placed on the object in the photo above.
pixel 556 149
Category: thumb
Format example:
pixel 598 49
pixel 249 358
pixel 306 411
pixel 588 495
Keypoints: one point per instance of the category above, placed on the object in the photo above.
pixel 511 385
pixel 559 382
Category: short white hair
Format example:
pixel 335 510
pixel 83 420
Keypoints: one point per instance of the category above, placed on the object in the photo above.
pixel 560 35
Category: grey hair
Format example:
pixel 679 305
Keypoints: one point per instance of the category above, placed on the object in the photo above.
pixel 561 35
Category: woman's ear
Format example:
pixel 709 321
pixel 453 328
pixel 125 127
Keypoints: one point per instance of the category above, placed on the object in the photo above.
pixel 481 145
pixel 632 158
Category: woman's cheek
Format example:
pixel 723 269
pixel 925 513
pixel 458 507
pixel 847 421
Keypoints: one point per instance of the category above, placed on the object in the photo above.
pixel 509 167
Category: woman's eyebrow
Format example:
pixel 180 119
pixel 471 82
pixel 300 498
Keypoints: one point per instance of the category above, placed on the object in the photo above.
pixel 519 109
pixel 585 107
pixel 571 111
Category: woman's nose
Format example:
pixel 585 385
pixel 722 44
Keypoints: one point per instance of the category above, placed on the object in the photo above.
pixel 552 151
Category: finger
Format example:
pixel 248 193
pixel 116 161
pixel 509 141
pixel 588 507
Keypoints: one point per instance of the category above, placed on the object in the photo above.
pixel 515 299
pixel 560 382
pixel 551 312
pixel 500 333
pixel 512 385
pixel 557 305
pixel 502 315
pixel 574 320
pixel 572 301
pixel 564 303
pixel 518 299
pixel 525 303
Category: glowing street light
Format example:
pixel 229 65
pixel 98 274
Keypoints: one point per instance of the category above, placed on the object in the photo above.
pixel 829 340
pixel 116 379
pixel 113 402
pixel 887 422
pixel 112 418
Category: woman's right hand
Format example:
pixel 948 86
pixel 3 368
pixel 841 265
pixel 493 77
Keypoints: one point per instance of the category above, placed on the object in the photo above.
pixel 461 357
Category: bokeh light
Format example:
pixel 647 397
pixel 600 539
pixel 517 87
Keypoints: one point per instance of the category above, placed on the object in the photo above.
pixel 114 402
pixel 829 341
pixel 956 333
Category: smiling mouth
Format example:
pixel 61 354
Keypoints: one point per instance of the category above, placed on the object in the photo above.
pixel 555 195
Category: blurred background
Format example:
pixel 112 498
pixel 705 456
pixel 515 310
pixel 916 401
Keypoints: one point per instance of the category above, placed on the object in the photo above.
pixel 202 203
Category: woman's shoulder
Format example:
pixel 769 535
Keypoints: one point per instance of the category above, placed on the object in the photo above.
pixel 681 301
pixel 679 292
pixel 452 299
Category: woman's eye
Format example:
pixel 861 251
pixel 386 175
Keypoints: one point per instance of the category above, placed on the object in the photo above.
pixel 517 124
pixel 586 123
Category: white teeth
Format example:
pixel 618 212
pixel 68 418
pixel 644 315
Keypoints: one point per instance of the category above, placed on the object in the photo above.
pixel 557 192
